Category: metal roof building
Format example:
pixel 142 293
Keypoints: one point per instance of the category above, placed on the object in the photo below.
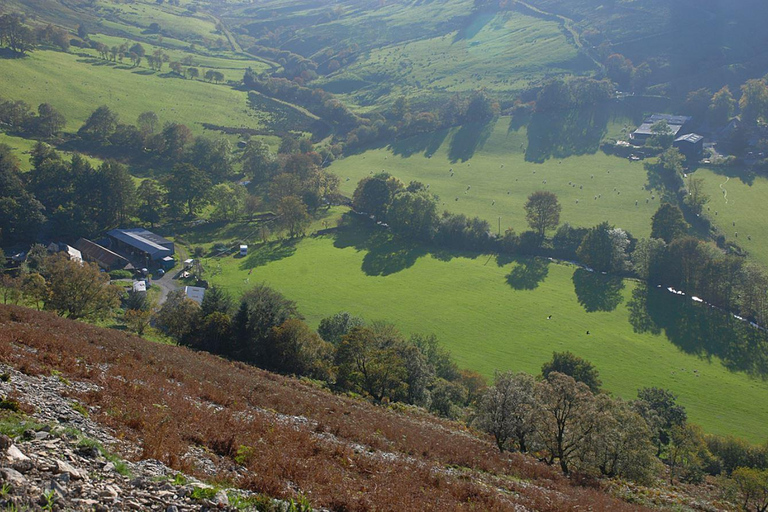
pixel 678 125
pixel 140 243
pixel 102 256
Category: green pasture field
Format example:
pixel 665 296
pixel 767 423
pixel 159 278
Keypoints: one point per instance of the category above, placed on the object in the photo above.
pixel 77 85
pixel 231 65
pixel 492 314
pixel 176 20
pixel 504 52
pixel 492 164
pixel 738 209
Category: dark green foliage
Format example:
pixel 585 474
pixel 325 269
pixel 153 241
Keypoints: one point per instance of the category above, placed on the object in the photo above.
pixel 295 349
pixel 574 366
pixel 188 187
pixel 21 215
pixel 216 300
pixel 332 329
pixel 668 223
pixel 567 240
pixel 662 412
pixel 16 36
pixel 99 125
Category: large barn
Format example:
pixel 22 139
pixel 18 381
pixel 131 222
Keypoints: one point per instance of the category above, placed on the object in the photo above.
pixel 140 245
pixel 680 125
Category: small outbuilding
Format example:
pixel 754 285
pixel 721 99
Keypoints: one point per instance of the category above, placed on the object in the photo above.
pixel 690 145
pixel 196 293
pixel 243 250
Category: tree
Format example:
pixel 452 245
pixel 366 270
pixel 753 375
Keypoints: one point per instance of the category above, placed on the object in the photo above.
pixel 99 125
pixel 752 487
pixel 138 51
pixel 49 120
pixel 564 420
pixel 118 196
pixel 261 309
pixel 214 157
pixel 447 398
pixel 15 35
pixel 647 257
pixel 696 197
pixel 660 409
pixel 137 320
pixel 176 137
pixel 574 366
pixel 187 186
pixel 258 161
pixel 216 300
pixel 542 211
pixel 150 197
pixel 754 101
pixel 567 240
pixel 193 73
pixel 722 107
pixel 292 215
pixel 687 454
pixel 148 122
pixel 620 444
pixel 374 194
pixel 414 215
pixel 604 248
pixel 332 329
pixel 35 288
pixel 506 410
pixel 229 202
pixel 79 290
pixel 369 361
pixel 668 223
pixel 294 348
pixel 662 137
pixel 177 316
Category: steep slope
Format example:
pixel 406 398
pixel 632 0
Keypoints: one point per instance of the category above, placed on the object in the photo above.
pixel 276 435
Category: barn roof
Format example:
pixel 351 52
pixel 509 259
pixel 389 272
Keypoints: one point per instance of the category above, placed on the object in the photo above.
pixel 692 138
pixel 141 239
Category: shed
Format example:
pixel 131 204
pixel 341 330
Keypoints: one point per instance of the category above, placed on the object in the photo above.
pixel 678 124
pixel 140 244
pixel 195 293
pixel 168 262
pixel 103 257
pixel 243 250
pixel 139 286
pixel 690 145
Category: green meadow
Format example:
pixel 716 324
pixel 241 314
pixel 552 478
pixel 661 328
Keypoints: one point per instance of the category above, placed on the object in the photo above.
pixel 76 85
pixel 471 58
pixel 492 176
pixel 736 197
pixel 492 314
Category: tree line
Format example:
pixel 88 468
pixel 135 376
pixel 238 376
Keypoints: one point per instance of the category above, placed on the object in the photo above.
pixel 72 198
pixel 669 257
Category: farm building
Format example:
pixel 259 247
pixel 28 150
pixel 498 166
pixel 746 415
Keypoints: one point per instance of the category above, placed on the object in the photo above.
pixel 72 253
pixel 680 125
pixel 140 245
pixel 690 145
pixel 196 293
pixel 103 257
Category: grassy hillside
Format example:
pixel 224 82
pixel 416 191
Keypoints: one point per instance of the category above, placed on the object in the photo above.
pixel 495 163
pixel 492 314
pixel 279 436
pixel 76 85
pixel 736 199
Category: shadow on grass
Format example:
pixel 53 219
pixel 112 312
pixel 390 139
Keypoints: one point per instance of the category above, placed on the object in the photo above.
pixel 474 25
pixel 597 292
pixel 269 252
pixel 564 133
pixel 216 232
pixel 746 176
pixel 467 140
pixel 700 330
pixel 386 254
pixel 528 274
pixel 426 143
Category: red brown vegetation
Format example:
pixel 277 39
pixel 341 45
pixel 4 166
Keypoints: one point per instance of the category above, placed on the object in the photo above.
pixel 342 453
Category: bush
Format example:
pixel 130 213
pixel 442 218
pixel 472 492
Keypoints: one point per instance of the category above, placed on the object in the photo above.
pixel 120 274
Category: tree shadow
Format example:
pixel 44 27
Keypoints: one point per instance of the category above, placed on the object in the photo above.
pixel 144 72
pixel 699 329
pixel 564 133
pixel 746 176
pixel 518 121
pixel 467 140
pixel 386 254
pixel 426 143
pixel 473 26
pixel 7 53
pixel 528 273
pixel 597 292
pixel 269 252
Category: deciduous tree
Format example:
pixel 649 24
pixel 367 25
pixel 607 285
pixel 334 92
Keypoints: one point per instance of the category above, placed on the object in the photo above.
pixel 542 211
